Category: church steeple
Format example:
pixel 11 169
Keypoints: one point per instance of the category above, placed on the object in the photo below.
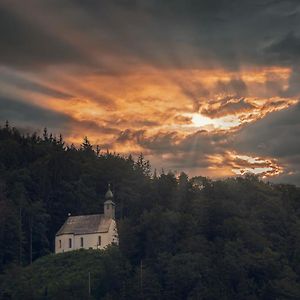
pixel 109 195
pixel 109 205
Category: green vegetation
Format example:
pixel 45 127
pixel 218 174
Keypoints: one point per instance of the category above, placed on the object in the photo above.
pixel 180 238
pixel 69 276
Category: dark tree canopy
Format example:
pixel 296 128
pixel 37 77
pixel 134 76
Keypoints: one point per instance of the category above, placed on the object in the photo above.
pixel 180 237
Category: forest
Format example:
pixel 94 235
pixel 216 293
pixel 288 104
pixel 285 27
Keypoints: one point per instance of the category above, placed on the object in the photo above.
pixel 180 237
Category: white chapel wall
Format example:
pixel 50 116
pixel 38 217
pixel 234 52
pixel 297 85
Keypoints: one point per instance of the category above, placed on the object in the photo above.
pixel 89 240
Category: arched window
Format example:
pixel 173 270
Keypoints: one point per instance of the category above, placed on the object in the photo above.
pixel 81 242
pixel 99 240
pixel 59 243
pixel 70 243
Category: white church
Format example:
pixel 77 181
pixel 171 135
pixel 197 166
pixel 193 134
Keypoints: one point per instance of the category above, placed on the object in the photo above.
pixel 89 231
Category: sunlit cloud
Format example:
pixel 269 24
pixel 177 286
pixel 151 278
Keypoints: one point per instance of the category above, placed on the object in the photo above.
pixel 148 111
pixel 135 78
pixel 211 124
pixel 242 164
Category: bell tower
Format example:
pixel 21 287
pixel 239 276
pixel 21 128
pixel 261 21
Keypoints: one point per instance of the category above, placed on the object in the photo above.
pixel 109 205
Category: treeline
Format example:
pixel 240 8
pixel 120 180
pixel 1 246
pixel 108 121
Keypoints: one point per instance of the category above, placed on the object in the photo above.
pixel 180 237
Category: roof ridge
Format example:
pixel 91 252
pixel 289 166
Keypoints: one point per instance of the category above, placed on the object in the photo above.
pixel 86 215
pixel 84 224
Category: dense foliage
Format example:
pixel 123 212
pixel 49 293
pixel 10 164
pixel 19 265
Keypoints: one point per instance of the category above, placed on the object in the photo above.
pixel 180 238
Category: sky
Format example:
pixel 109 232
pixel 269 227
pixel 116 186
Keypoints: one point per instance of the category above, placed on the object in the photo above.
pixel 208 87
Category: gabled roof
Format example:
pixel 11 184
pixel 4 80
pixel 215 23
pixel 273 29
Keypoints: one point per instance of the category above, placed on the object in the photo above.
pixel 85 224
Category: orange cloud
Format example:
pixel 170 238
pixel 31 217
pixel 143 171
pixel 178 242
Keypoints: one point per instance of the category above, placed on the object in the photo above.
pixel 157 111
pixel 239 164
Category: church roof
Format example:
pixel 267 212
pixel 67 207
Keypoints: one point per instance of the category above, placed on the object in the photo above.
pixel 85 225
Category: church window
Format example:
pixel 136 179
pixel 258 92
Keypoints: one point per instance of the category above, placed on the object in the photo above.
pixel 99 240
pixel 81 242
pixel 59 243
pixel 70 243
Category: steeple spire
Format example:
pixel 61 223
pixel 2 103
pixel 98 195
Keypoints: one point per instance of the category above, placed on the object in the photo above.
pixel 109 195
pixel 109 205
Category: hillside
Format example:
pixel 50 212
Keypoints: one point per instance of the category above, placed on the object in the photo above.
pixel 180 237
pixel 66 276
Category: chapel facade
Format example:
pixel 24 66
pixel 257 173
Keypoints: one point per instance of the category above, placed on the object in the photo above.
pixel 89 231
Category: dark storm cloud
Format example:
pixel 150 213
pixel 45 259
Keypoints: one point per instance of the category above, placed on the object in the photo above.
pixel 17 111
pixel 188 33
pixel 30 116
pixel 286 50
pixel 197 143
pixel 129 135
pixel 277 135
pixel 25 44
pixel 228 106
pixel 236 87
pixel 159 143
pixel 191 153
pixel 169 150
pixel 110 38
pixel 205 32
pixel 30 85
